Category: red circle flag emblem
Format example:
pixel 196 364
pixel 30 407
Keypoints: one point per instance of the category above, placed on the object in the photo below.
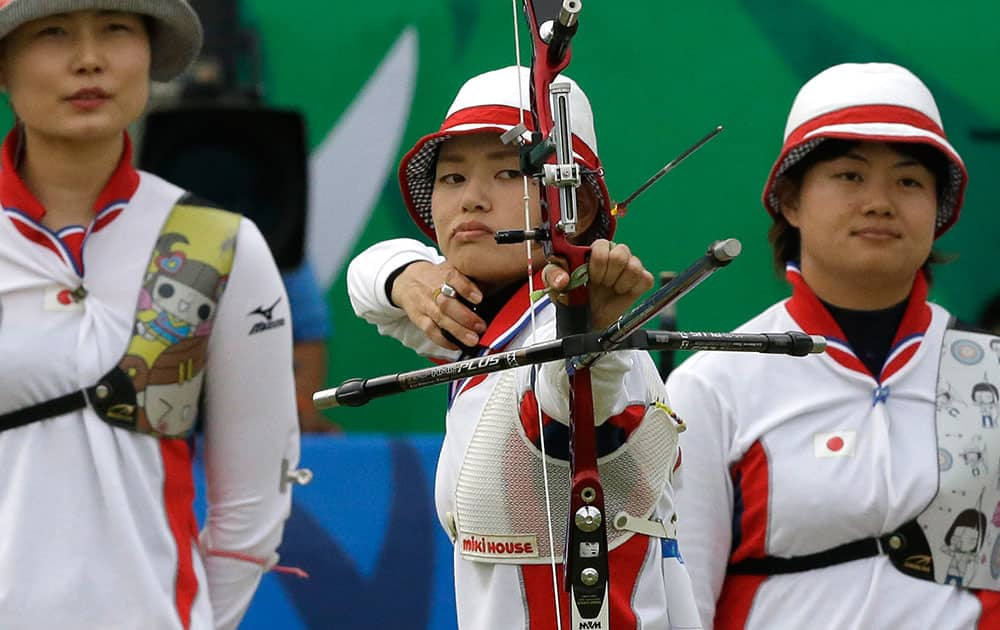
pixel 835 444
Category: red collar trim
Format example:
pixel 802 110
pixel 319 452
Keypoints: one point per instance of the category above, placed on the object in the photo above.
pixel 812 317
pixel 14 194
pixel 513 316
pixel 123 181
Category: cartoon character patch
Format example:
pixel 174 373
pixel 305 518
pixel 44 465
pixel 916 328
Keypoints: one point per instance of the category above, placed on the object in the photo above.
pixel 959 531
pixel 948 402
pixel 167 392
pixel 179 297
pixel 986 397
pixel 166 356
pixel 963 541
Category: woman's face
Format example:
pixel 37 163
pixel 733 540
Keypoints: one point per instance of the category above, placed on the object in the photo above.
pixel 478 190
pixel 78 76
pixel 866 221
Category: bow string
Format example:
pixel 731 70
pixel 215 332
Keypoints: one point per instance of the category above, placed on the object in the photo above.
pixel 547 156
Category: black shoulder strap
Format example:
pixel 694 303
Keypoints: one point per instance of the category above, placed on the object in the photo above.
pixel 774 565
pixel 43 410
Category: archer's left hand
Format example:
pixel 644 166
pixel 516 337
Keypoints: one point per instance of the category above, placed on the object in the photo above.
pixel 617 279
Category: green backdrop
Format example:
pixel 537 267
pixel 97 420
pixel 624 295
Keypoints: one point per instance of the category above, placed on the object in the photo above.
pixel 659 75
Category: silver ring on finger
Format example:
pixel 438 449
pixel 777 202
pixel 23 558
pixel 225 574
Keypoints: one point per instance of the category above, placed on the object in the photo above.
pixel 447 290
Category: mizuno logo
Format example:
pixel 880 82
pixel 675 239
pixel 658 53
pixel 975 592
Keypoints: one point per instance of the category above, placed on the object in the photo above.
pixel 268 315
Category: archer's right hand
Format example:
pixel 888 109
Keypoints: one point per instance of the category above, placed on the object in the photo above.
pixel 417 290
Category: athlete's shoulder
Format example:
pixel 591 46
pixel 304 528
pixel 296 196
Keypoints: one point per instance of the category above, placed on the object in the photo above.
pixel 157 186
pixel 774 318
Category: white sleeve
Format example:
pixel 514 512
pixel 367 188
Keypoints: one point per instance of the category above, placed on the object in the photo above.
pixel 366 276
pixel 251 427
pixel 704 489
pixel 617 379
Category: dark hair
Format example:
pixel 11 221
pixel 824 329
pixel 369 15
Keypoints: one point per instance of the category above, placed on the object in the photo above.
pixel 152 26
pixel 985 387
pixel 786 243
pixel 968 518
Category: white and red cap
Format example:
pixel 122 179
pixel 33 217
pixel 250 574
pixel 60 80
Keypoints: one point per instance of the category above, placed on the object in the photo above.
pixel 492 102
pixel 869 102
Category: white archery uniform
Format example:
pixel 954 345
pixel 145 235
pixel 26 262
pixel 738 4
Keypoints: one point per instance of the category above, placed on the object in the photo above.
pixel 510 588
pixel 97 522
pixel 788 456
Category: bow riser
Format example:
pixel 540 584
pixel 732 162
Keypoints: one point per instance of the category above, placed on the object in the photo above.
pixel 586 550
pixel 544 70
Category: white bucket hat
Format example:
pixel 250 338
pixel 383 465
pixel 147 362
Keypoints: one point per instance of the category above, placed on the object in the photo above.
pixel 872 102
pixel 489 102
pixel 175 39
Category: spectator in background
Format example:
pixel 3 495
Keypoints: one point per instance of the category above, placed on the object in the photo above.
pixel 310 332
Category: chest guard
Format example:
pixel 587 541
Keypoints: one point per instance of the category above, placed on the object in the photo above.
pixel 956 539
pixel 155 387
pixel 500 507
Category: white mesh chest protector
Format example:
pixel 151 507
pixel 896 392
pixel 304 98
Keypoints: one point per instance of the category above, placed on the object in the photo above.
pixel 500 492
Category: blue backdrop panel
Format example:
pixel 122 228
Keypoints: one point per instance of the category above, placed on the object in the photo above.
pixel 365 530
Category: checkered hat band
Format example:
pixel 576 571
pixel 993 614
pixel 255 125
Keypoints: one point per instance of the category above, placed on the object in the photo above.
pixel 952 193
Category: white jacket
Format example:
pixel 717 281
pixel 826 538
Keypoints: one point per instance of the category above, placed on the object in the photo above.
pixel 516 591
pixel 97 523
pixel 787 456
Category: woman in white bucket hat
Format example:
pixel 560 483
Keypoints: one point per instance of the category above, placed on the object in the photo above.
pixel 830 491
pixel 120 297
pixel 461 184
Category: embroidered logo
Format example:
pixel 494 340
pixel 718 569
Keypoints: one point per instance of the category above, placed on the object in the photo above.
pixel 269 320
pixel 839 444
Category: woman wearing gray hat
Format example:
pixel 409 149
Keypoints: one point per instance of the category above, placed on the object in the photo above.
pixel 123 300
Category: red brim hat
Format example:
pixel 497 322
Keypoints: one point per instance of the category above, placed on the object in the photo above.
pixel 869 103
pixel 487 104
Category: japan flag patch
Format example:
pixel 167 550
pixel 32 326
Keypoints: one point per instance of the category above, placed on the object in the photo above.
pixel 838 444
pixel 61 299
